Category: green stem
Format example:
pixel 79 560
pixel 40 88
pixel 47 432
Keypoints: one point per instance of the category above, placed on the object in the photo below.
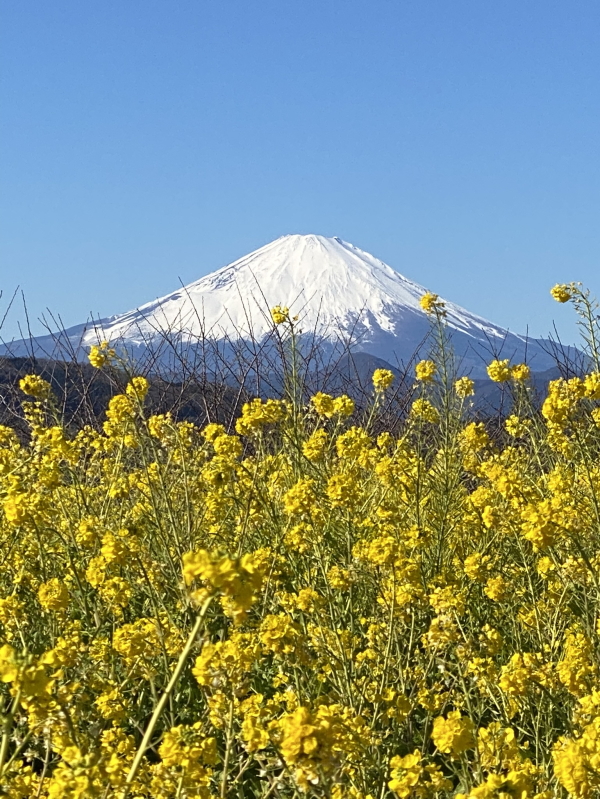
pixel 223 793
pixel 6 732
pixel 164 699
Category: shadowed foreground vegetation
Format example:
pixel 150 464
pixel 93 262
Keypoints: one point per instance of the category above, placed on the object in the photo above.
pixel 308 601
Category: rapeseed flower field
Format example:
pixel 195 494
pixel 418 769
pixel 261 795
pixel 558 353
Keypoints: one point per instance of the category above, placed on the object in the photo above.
pixel 304 607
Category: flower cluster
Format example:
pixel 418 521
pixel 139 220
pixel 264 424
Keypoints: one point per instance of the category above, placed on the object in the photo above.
pixel 305 604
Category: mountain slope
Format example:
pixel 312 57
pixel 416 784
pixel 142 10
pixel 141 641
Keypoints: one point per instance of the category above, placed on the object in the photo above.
pixel 338 290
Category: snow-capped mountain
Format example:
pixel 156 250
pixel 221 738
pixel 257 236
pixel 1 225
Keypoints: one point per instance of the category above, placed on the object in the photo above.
pixel 337 290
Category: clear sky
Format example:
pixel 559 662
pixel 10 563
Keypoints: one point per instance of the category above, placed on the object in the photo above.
pixel 148 142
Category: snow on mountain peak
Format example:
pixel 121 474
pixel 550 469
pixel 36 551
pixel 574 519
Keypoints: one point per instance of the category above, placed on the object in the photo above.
pixel 327 281
pixel 338 291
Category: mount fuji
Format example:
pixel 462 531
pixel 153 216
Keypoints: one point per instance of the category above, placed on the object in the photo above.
pixel 341 294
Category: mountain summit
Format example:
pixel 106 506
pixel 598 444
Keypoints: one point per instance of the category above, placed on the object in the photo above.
pixel 341 292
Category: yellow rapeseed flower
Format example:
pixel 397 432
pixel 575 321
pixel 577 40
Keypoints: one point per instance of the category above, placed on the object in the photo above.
pixel 425 370
pixel 323 404
pixel 516 426
pixel 53 595
pixel 562 292
pixel 520 372
pixel 301 498
pixel 464 387
pixel 592 385
pixel 35 386
pixel 314 446
pixel 499 371
pixel 453 734
pixel 382 379
pixel 137 388
pixel 280 314
pixel 257 413
pixel 301 598
pixel 496 588
pixel 9 668
pixel 100 354
pixel 430 302
pixel 424 411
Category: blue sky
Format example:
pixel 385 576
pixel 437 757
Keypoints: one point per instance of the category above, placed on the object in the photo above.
pixel 147 143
